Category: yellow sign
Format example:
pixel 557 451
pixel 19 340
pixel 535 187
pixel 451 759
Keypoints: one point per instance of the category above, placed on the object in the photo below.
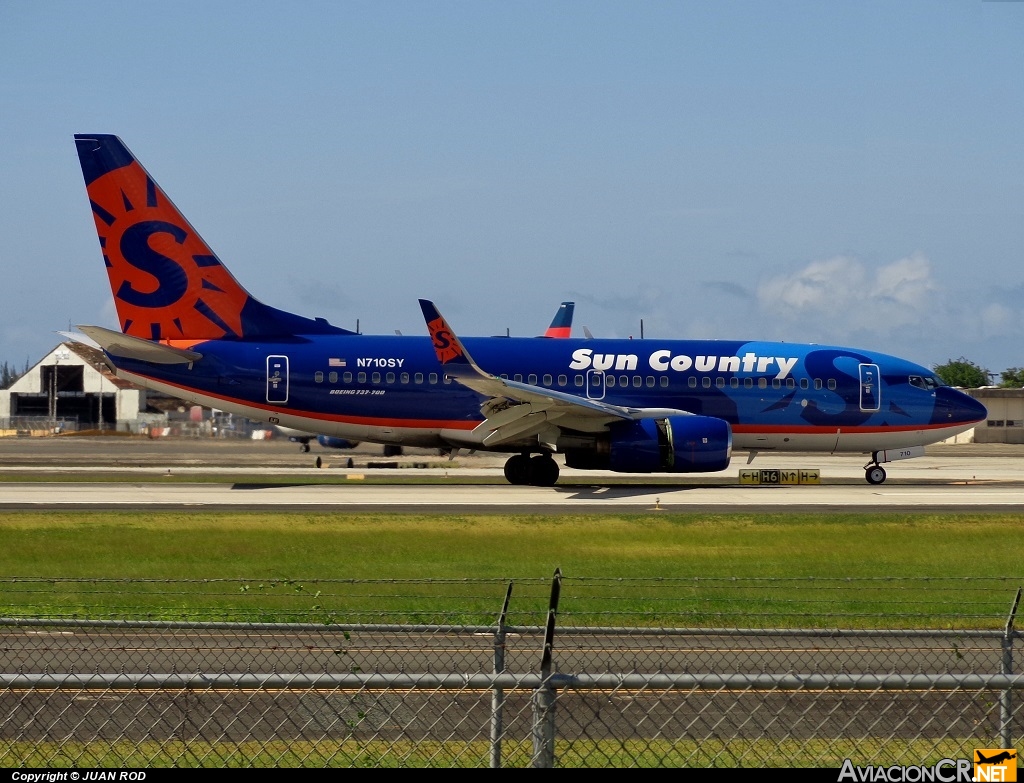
pixel 777 476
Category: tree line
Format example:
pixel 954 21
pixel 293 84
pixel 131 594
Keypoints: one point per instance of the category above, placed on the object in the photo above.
pixel 969 375
pixel 9 373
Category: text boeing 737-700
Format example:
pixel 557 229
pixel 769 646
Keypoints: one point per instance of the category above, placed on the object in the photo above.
pixel 677 406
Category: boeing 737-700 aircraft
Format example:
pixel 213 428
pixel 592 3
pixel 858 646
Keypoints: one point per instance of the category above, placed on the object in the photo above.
pixel 189 329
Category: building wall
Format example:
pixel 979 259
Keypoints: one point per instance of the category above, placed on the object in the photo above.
pixel 1005 422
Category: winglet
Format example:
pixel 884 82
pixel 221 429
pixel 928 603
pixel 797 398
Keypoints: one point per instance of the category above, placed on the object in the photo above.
pixel 451 353
pixel 561 326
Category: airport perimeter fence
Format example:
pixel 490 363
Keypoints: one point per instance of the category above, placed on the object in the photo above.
pixel 567 672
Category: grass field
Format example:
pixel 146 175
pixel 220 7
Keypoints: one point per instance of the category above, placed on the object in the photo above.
pixel 665 568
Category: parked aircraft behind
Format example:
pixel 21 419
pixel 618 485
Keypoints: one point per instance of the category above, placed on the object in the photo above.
pixel 304 438
pixel 190 329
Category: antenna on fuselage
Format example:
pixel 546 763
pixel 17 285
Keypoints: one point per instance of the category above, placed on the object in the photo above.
pixel 641 328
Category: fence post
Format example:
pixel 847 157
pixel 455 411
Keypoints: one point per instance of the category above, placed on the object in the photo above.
pixel 498 694
pixel 544 696
pixel 1006 697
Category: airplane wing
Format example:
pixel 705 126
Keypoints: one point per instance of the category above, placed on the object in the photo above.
pixel 518 410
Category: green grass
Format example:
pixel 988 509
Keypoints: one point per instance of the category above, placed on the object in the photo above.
pixel 654 568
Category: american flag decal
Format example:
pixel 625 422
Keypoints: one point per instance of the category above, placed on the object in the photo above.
pixel 335 362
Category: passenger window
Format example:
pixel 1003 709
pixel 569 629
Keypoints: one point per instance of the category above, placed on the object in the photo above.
pixel 762 383
pixel 790 383
pixel 405 377
pixel 734 382
pixel 548 379
pixel 390 377
pixel 447 379
pixel 817 383
pixel 832 384
pixel 706 382
pixel 610 381
pixel 333 377
pixel 418 377
pixel 532 379
pixel 347 377
pixel 650 381
pixel 692 381
pixel 664 381
pixel 318 377
pixel 517 378
pixel 776 383
pixel 433 377
pixel 375 378
pixel 637 381
pixel 362 377
pixel 720 383
pixel 748 383
pixel 562 380
pixel 578 380
pixel 803 383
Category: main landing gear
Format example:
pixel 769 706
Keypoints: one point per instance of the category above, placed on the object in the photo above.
pixel 873 472
pixel 538 471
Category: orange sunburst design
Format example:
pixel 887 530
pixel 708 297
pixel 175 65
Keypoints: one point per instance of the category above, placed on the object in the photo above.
pixel 166 281
pixel 445 344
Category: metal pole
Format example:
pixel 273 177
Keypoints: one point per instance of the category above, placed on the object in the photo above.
pixel 544 695
pixel 1006 697
pixel 498 694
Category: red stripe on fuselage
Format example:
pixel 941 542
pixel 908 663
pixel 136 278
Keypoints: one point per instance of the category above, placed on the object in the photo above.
pixel 372 421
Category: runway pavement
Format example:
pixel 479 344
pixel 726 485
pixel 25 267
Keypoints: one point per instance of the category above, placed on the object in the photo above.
pixel 139 473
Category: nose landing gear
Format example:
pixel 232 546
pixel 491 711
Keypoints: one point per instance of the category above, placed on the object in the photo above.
pixel 873 472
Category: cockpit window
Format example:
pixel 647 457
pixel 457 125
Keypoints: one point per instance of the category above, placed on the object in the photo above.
pixel 926 382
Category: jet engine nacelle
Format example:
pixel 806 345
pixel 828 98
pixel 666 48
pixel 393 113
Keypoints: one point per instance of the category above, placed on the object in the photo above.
pixel 331 442
pixel 676 444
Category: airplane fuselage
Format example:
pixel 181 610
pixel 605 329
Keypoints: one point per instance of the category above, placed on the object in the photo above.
pixel 388 389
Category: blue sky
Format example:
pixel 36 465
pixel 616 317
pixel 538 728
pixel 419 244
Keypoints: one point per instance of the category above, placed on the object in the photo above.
pixel 844 173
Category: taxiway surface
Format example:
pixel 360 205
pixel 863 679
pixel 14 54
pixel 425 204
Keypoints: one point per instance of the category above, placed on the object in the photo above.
pixel 237 474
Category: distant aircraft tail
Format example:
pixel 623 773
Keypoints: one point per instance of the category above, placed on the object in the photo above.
pixel 561 326
pixel 167 283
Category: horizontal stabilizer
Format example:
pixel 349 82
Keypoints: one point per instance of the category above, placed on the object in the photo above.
pixel 129 347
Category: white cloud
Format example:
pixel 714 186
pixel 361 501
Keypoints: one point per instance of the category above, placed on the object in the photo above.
pixel 843 295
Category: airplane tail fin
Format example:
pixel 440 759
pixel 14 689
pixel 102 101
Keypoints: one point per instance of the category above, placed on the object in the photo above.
pixel 167 283
pixel 561 326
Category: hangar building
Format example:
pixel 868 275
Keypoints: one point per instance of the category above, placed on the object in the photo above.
pixel 71 388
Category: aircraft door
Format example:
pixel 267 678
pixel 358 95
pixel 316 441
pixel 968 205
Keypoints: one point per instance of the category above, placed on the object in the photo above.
pixel 870 390
pixel 277 379
pixel 595 384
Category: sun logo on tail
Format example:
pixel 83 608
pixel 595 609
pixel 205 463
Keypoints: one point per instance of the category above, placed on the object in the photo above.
pixel 167 283
pixel 445 345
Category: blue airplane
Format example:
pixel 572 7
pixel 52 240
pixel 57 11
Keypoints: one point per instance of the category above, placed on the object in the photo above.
pixel 189 329
pixel 561 328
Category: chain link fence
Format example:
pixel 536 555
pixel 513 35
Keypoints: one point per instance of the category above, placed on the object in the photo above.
pixel 563 672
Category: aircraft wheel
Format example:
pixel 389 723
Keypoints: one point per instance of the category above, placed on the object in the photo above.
pixel 875 474
pixel 517 469
pixel 304 448
pixel 392 450
pixel 543 471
